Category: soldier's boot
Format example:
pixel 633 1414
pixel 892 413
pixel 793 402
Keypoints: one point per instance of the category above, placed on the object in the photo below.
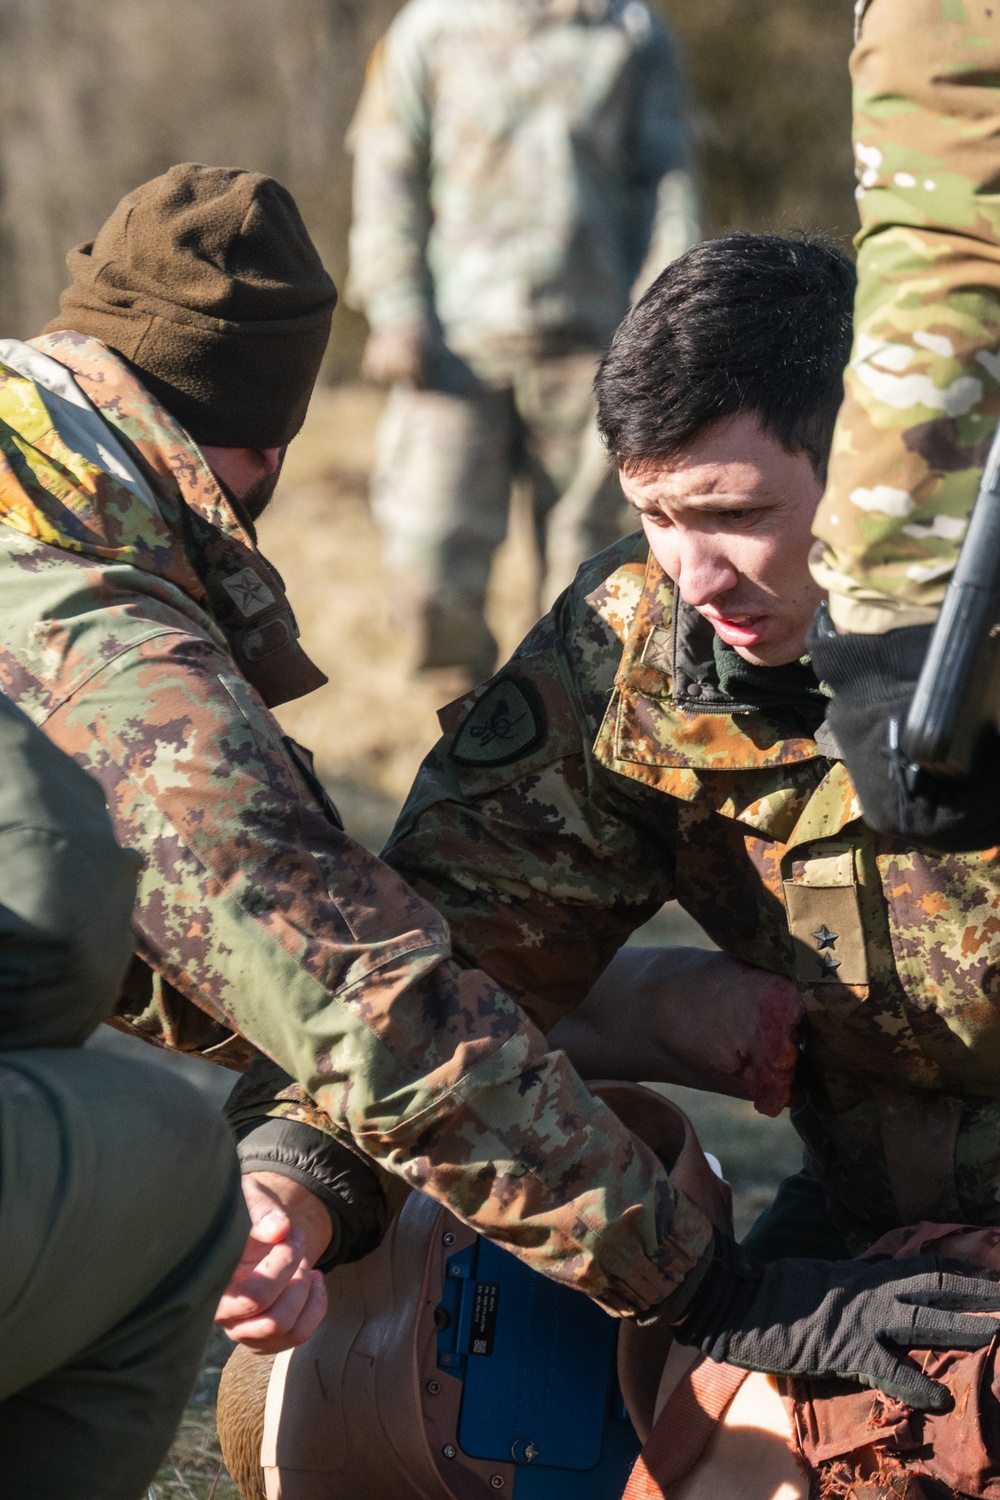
pixel 454 634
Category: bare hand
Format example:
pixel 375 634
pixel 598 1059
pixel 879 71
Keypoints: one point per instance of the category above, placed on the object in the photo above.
pixel 397 356
pixel 275 1299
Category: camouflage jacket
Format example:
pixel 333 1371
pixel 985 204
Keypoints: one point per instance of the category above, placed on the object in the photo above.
pixel 604 772
pixel 516 162
pixel 143 631
pixel 923 386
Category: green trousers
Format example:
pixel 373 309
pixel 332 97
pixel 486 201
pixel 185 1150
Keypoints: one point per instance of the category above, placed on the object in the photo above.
pixel 121 1219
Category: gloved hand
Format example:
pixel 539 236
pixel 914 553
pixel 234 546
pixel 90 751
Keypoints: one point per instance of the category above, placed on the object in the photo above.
pixel 844 1318
pixel 873 678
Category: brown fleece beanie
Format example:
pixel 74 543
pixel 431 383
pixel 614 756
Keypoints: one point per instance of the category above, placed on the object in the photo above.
pixel 206 280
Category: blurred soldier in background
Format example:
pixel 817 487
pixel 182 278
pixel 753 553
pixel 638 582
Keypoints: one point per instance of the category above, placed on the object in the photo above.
pixel 120 1211
pixel 922 391
pixel 522 168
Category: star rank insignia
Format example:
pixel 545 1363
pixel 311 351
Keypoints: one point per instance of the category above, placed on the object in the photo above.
pixel 826 939
pixel 248 592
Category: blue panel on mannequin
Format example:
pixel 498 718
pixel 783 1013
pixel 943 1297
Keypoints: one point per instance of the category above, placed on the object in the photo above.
pixel 538 1365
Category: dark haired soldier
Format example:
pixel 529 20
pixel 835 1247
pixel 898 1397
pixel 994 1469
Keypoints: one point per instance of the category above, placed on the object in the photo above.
pixel 140 436
pixel 661 734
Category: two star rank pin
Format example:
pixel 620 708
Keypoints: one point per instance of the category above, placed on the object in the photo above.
pixel 825 941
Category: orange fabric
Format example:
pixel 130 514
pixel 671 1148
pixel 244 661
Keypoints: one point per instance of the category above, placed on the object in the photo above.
pixel 683 1429
pixel 861 1445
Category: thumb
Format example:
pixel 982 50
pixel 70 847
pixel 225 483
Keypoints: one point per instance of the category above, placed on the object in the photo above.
pixel 268 1220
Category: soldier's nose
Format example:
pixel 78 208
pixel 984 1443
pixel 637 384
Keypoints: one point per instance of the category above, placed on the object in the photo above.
pixel 704 577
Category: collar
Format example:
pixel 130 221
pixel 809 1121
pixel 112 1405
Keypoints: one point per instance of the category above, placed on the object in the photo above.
pixel 669 722
pixel 244 592
pixel 671 707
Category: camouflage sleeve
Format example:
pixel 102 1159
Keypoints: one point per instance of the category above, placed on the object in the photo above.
pixel 390 139
pixel 923 387
pixel 253 903
pixel 513 833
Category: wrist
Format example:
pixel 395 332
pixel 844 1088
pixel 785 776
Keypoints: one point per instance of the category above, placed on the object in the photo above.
pixel 307 1214
pixel 720 1300
pixel 338 1178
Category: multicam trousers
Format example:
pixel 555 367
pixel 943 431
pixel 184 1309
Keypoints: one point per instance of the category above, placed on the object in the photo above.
pixel 442 487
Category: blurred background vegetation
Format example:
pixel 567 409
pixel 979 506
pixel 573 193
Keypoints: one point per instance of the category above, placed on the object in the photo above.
pixel 98 95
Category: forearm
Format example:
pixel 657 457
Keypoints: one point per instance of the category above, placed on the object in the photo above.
pixel 690 1017
pixel 389 278
pixel 922 392
pixel 339 972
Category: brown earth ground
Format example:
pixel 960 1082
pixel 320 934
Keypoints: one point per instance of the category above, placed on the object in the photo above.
pixel 369 729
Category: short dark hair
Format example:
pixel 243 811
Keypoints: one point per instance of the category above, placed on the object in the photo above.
pixel 746 323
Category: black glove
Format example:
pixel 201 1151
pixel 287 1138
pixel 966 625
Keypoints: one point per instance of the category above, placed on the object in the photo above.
pixel 873 678
pixel 844 1318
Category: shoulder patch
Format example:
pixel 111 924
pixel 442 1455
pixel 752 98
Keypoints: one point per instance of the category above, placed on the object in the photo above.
pixel 506 723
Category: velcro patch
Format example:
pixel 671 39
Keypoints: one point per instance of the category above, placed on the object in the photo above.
pixel 507 723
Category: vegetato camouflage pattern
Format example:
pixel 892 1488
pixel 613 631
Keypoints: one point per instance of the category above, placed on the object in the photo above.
pixel 256 915
pixel 923 386
pixel 600 774
pixel 515 162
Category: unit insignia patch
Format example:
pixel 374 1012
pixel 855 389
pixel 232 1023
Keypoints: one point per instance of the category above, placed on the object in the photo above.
pixel 507 723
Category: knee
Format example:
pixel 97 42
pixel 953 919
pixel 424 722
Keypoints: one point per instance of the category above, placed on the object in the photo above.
pixel 160 1145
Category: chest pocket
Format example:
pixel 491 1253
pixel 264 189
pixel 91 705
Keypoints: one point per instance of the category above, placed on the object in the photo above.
pixel 824 919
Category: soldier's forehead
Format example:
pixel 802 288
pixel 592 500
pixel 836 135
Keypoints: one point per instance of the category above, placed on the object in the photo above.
pixel 732 461
pixel 704 484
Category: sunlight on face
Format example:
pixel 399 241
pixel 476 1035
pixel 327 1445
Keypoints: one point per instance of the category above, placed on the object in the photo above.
pixel 729 519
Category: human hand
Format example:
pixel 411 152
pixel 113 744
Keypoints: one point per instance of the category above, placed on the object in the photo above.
pixel 854 1319
pixel 397 356
pixel 275 1300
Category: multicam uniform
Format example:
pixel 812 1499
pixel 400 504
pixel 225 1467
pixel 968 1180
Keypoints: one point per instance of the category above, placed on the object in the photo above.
pixel 517 163
pixel 923 387
pixel 144 631
pixel 605 771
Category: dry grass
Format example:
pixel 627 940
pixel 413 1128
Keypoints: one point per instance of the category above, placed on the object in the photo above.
pixel 373 723
pixel 193 1469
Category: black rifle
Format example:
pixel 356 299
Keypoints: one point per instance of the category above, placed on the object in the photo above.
pixel 957 699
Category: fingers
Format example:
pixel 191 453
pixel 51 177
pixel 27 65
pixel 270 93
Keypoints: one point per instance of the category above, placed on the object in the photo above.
pixel 260 1279
pixel 909 1385
pixel 290 1321
pixel 944 1332
pixel 957 1302
pixel 268 1218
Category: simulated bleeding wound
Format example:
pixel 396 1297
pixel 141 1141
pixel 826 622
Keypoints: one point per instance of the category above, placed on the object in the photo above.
pixel 767 1065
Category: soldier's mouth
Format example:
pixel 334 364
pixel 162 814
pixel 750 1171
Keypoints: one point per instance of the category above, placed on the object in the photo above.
pixel 744 630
